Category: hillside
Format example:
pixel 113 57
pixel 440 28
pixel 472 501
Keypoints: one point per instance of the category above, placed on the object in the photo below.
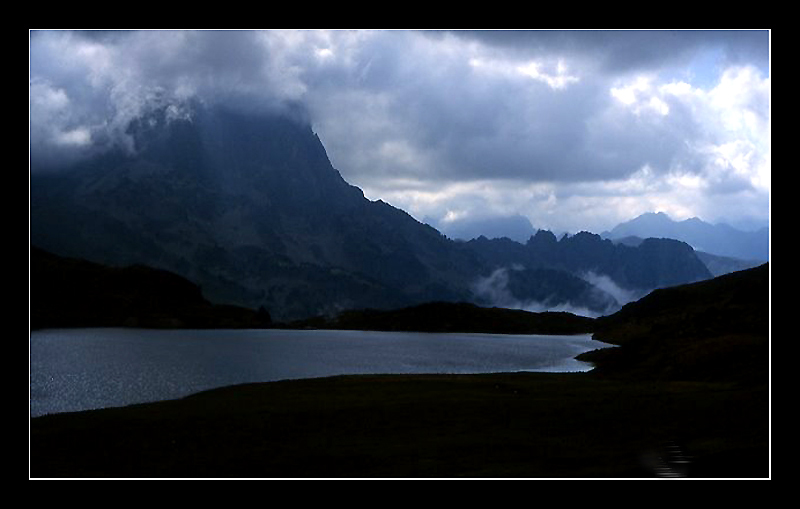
pixel 454 317
pixel 711 330
pixel 68 292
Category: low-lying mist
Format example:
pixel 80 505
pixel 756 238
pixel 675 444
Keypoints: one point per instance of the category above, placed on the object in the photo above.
pixel 588 294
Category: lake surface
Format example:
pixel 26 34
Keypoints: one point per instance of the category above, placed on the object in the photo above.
pixel 81 369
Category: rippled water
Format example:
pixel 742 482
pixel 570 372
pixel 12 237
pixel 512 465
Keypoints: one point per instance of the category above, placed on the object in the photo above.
pixel 81 369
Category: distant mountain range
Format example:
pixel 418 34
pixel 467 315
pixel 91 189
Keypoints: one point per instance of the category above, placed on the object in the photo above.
pixel 721 247
pixel 249 207
pixel 718 239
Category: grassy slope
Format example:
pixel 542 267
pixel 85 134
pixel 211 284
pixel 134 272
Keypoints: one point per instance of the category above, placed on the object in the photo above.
pixel 69 292
pixel 514 425
pixel 715 330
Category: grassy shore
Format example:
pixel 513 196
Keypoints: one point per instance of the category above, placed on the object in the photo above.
pixel 498 425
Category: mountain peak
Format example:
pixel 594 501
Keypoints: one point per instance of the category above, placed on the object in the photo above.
pixel 249 207
pixel 545 237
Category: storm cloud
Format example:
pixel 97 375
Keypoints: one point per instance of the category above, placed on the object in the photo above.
pixel 572 130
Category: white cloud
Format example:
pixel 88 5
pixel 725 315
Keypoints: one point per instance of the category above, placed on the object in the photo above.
pixel 555 75
pixel 78 137
pixel 629 93
pixel 735 115
pixel 53 124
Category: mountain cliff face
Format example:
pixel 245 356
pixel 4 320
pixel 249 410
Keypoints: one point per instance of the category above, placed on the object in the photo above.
pixel 250 208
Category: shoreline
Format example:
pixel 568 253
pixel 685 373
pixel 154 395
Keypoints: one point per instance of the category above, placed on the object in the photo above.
pixel 571 364
pixel 531 425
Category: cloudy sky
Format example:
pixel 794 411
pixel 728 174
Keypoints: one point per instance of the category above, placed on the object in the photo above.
pixel 575 130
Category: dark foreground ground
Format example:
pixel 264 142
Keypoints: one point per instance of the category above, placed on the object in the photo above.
pixel 504 425
pixel 686 393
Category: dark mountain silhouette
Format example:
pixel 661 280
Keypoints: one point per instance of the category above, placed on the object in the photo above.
pixel 454 317
pixel 249 207
pixel 719 239
pixel 654 263
pixel 67 292
pixel 717 265
pixel 714 330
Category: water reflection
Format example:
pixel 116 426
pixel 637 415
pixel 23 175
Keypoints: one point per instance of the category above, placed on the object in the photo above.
pixel 94 368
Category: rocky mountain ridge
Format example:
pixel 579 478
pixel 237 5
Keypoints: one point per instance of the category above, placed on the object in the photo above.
pixel 249 207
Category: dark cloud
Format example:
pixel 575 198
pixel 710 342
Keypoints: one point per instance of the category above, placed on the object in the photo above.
pixel 619 51
pixel 497 122
pixel 430 118
pixel 86 86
